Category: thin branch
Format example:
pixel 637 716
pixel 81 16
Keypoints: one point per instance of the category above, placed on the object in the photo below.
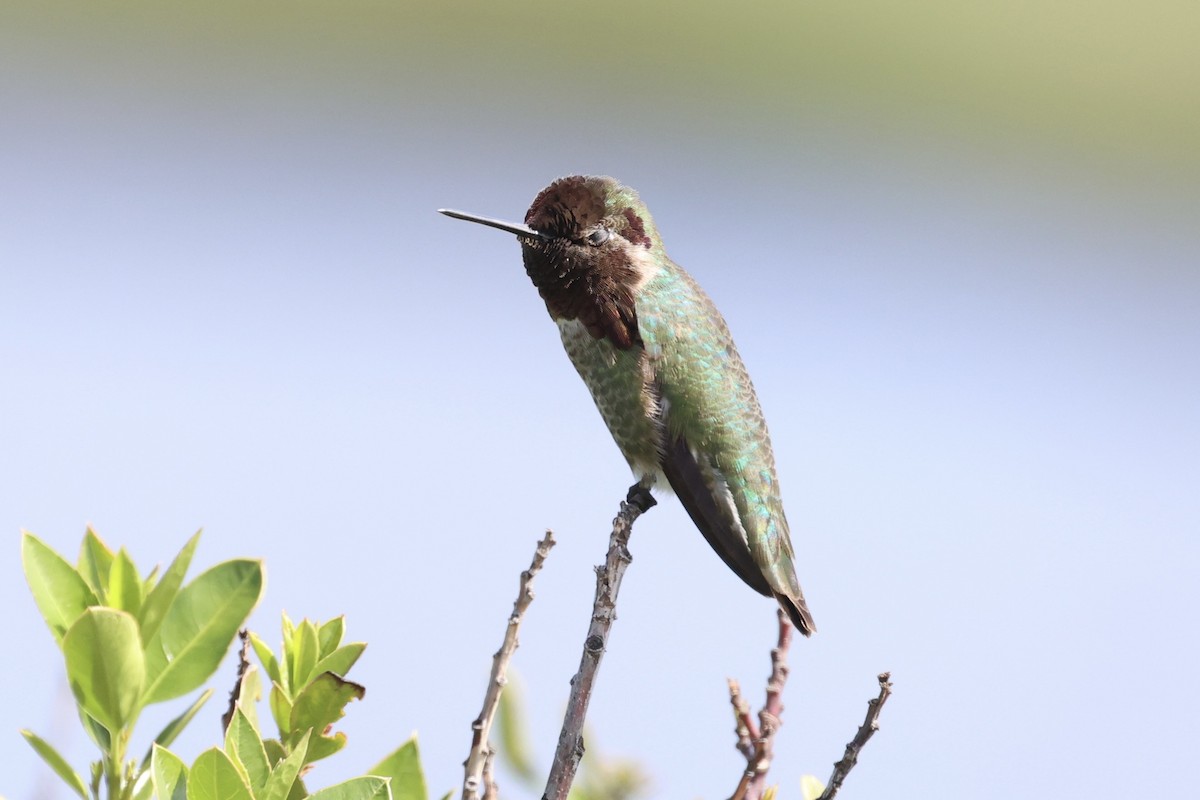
pixel 604 611
pixel 236 692
pixel 477 771
pixel 865 731
pixel 759 755
pixel 744 726
pixel 490 790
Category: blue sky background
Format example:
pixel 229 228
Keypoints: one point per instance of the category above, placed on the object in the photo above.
pixel 958 249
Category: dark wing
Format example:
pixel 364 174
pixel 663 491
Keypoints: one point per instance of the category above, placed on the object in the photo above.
pixel 706 498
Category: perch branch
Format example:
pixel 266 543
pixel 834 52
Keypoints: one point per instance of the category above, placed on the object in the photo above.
pixel 865 731
pixel 477 768
pixel 757 743
pixel 604 611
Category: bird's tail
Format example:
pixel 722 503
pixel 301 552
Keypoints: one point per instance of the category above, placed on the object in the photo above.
pixel 797 611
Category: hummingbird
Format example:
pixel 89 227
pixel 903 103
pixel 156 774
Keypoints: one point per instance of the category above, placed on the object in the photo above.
pixel 661 365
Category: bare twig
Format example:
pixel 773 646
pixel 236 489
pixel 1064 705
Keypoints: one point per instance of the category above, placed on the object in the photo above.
pixel 490 790
pixel 743 724
pixel 604 611
pixel 757 743
pixel 236 692
pixel 477 767
pixel 865 731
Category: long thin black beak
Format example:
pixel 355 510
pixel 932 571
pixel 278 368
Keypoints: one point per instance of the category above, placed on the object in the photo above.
pixel 524 231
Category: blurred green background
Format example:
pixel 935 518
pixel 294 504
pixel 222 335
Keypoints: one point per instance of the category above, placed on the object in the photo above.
pixel 957 244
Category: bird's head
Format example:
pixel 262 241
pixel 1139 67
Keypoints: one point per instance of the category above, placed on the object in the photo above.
pixel 589 245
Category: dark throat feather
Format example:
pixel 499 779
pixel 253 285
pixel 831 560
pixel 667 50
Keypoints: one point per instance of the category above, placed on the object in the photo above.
pixel 594 287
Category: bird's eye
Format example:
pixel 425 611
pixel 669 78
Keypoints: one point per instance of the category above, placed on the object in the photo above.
pixel 598 237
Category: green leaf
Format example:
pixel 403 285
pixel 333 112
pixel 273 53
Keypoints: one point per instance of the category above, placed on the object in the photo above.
pixel 363 788
pixel 105 666
pixel 323 702
pixel 275 751
pixel 403 766
pixel 605 778
pixel 330 635
pixel 266 657
pixel 173 728
pixel 169 775
pixel 249 693
pixel 288 627
pixel 57 763
pixel 242 742
pixel 299 790
pixel 279 785
pixel 149 582
pixel 810 787
pixel 287 656
pixel 58 589
pixel 159 599
pixel 319 705
pixel 325 746
pixel 214 777
pixel 124 584
pixel 513 733
pixel 281 710
pixel 341 660
pixel 199 627
pixel 304 654
pixel 95 731
pixel 95 562
pixel 143 786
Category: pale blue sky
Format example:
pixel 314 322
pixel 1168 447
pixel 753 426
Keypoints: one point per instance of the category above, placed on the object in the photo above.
pixel 230 304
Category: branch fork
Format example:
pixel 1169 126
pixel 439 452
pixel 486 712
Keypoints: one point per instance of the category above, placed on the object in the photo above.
pixel 756 741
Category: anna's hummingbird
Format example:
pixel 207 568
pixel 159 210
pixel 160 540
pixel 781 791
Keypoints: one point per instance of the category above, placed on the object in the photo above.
pixel 661 365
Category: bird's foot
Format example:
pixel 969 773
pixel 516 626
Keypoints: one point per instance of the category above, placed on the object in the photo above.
pixel 639 496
